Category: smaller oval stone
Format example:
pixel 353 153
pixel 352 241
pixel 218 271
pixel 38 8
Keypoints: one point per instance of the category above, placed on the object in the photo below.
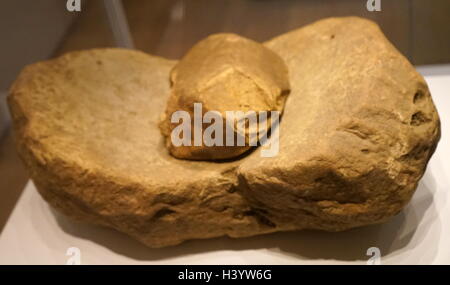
pixel 224 72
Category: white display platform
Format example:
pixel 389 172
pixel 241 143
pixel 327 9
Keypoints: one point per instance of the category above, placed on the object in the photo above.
pixel 420 234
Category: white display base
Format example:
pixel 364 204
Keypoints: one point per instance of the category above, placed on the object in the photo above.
pixel 420 234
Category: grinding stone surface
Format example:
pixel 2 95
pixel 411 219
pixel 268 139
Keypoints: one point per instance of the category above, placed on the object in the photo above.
pixel 358 129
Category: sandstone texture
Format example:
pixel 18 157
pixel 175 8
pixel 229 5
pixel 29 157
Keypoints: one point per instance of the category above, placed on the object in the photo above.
pixel 224 72
pixel 358 129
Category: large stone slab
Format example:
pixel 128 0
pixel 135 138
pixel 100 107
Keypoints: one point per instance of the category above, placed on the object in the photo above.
pixel 358 129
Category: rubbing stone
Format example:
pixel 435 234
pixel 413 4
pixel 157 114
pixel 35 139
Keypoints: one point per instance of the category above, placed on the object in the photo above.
pixel 224 72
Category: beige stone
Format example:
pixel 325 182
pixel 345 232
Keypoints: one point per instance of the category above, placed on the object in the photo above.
pixel 358 129
pixel 224 72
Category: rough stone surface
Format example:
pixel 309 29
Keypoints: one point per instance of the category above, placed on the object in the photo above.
pixel 358 129
pixel 224 72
